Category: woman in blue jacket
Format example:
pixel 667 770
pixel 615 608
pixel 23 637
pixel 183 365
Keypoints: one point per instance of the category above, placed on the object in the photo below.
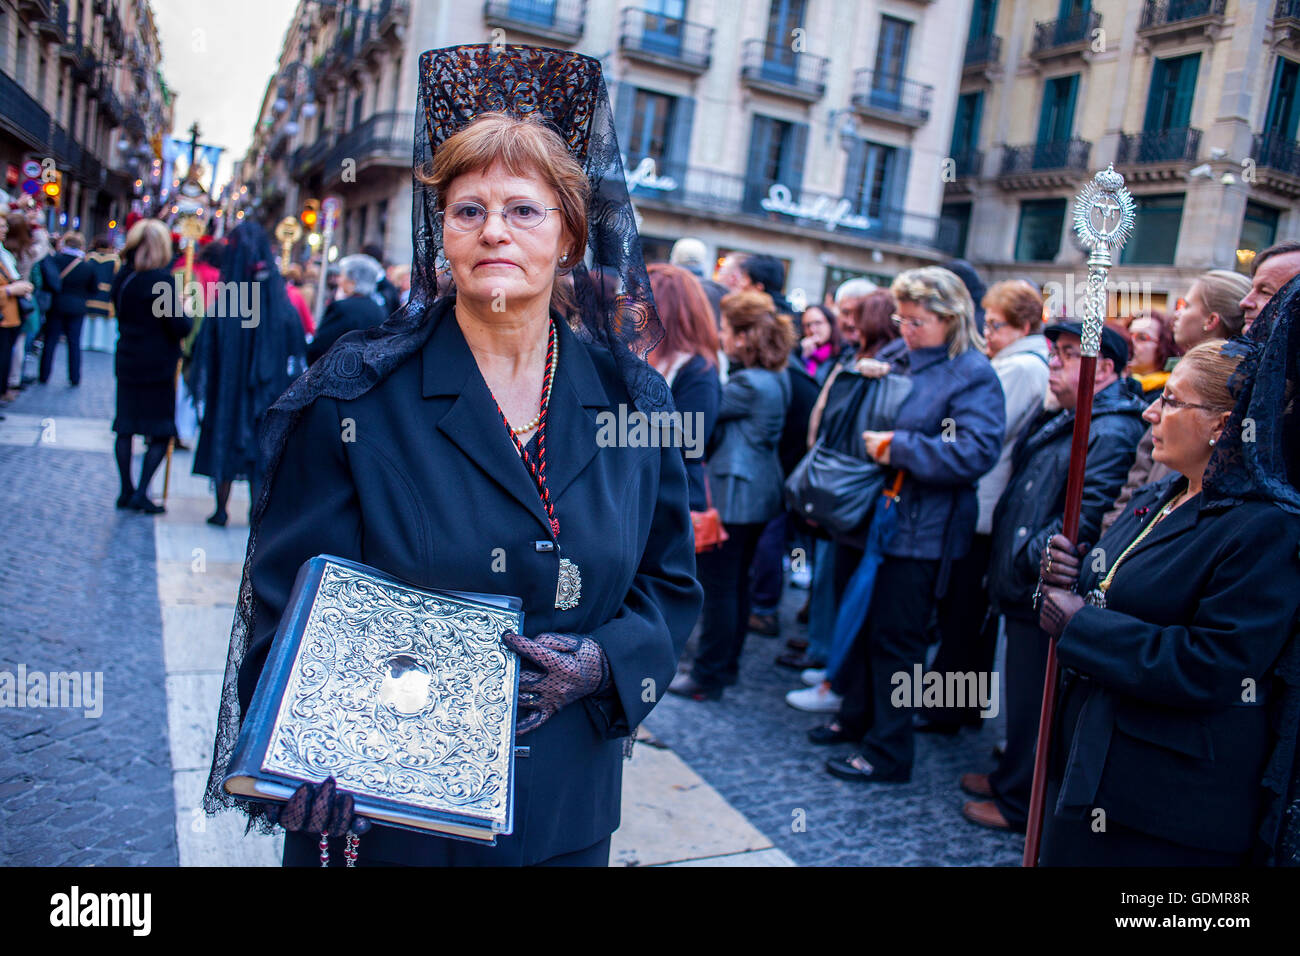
pixel 948 434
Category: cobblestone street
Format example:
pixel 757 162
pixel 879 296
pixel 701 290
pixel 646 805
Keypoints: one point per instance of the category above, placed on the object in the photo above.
pixel 92 589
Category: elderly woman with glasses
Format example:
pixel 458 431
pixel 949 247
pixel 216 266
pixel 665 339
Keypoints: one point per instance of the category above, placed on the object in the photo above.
pixel 947 436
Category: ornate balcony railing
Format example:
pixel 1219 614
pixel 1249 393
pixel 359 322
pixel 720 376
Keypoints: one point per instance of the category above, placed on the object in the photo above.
pixel 561 20
pixel 1278 152
pixel 1287 10
pixel 1159 146
pixel 1159 13
pixel 1051 36
pixel 892 97
pixel 666 41
pixel 1057 154
pixel 778 69
pixel 22 115
pixel 982 51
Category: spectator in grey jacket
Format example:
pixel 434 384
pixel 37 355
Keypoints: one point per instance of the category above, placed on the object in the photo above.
pixel 968 632
pixel 947 436
pixel 745 476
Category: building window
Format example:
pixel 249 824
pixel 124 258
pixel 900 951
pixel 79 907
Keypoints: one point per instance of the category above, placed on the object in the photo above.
pixel 983 16
pixel 1283 103
pixel 966 131
pixel 870 172
pixel 1038 238
pixel 1056 118
pixel 1173 85
pixel 954 227
pixel 1258 232
pixel 20 59
pixel 534 11
pixel 891 56
pixel 784 17
pixel 836 276
pixel 651 123
pixel 1155 230
pixel 776 155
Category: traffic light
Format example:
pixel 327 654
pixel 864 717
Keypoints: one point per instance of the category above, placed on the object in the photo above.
pixel 310 214
pixel 53 189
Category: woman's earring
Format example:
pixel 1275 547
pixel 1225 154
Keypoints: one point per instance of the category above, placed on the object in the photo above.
pixel 1212 441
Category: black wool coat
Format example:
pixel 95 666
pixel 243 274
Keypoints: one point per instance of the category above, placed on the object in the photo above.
pixel 419 477
pixel 341 317
pixel 1156 721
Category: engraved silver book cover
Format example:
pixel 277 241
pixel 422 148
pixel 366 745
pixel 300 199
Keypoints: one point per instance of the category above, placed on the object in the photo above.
pixel 401 695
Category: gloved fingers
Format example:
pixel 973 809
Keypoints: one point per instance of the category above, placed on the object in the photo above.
pixel 293 814
pixel 531 720
pixel 318 819
pixel 563 643
pixel 530 679
pixel 341 816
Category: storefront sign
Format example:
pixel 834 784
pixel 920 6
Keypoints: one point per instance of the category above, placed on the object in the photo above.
pixel 646 175
pixel 823 209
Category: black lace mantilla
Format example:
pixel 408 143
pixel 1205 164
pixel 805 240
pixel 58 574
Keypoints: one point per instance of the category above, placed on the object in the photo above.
pixel 614 308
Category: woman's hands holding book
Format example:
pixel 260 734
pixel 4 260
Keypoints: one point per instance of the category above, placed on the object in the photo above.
pixel 572 666
pixel 319 808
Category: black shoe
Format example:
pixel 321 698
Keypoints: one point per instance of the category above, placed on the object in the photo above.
pixel 799 662
pixel 830 734
pixel 684 685
pixel 765 624
pixel 219 519
pixel 844 768
pixel 124 501
pixel 796 644
pixel 141 503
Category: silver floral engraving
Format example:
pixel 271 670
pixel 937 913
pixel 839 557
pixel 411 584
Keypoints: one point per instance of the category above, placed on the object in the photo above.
pixel 400 695
pixel 569 586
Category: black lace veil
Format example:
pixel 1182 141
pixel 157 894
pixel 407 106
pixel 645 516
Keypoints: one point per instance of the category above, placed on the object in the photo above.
pixel 567 90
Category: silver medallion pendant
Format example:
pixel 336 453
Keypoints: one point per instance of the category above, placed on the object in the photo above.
pixel 569 586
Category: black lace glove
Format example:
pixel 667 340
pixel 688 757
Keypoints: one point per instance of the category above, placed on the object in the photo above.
pixel 572 667
pixel 319 808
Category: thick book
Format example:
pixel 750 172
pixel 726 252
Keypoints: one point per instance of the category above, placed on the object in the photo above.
pixel 405 695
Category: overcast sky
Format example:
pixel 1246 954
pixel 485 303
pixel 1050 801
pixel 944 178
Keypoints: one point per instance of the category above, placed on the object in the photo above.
pixel 217 57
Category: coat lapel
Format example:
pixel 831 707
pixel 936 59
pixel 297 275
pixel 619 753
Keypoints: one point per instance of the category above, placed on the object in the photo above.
pixel 1176 522
pixel 571 426
pixel 473 423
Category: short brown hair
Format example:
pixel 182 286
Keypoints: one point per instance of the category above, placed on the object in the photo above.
pixel 873 322
pixel 524 146
pixel 1018 301
pixel 1208 371
pixel 685 312
pixel 769 337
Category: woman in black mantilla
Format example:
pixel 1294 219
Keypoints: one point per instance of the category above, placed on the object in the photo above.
pixel 1179 700
pixel 471 436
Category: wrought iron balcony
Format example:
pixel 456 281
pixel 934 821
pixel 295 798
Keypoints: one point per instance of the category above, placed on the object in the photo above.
pixel 382 139
pixel 55 25
pixel 982 52
pixel 665 41
pixel 1278 152
pixel 34 9
pixel 76 50
pixel 1067 35
pixel 892 98
pixel 1071 154
pixel 21 115
pixel 1178 145
pixel 775 68
pixel 392 14
pixel 558 20
pixel 1162 13
pixel 113 107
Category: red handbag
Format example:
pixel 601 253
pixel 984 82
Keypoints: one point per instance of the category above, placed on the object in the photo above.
pixel 709 532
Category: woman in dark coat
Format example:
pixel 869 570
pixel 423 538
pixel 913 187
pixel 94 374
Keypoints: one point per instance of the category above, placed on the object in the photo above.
pixel 746 479
pixel 1172 678
pixel 947 435
pixel 243 362
pixel 456 447
pixel 687 359
pixel 151 325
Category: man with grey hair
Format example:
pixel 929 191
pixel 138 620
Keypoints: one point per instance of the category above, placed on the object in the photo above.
pixel 354 308
pixel 848 297
pixel 692 255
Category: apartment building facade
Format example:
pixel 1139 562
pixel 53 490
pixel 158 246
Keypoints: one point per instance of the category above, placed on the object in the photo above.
pixel 812 130
pixel 80 84
pixel 1195 102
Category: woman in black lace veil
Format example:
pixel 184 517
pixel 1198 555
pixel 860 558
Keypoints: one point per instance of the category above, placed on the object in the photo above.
pixel 415 375
pixel 1179 708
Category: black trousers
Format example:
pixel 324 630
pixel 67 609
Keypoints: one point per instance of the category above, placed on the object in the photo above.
pixel 768 571
pixel 302 849
pixel 896 629
pixel 7 339
pixel 58 324
pixel 968 632
pixel 724 622
pixel 1026 667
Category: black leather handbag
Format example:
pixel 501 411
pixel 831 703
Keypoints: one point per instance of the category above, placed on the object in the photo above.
pixel 835 484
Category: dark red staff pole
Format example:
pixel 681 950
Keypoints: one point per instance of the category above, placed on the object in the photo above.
pixel 1073 503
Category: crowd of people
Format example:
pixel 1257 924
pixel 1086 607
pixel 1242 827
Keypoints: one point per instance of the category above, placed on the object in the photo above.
pixel 974 448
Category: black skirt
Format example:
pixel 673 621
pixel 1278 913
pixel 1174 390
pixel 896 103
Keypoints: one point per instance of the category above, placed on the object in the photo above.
pixel 147 408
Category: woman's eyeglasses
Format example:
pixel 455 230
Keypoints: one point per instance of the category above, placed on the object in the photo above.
pixel 899 321
pixel 1168 401
pixel 520 214
pixel 1144 337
